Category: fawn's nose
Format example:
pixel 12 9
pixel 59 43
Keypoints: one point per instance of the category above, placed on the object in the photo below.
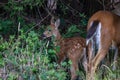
pixel 42 36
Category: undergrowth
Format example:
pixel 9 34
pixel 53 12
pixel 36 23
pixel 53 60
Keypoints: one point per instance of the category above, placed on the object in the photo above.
pixel 27 57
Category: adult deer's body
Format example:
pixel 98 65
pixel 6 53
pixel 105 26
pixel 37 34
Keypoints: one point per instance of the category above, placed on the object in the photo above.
pixel 103 30
pixel 73 48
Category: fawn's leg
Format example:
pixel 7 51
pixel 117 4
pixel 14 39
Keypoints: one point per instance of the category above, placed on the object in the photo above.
pixel 74 70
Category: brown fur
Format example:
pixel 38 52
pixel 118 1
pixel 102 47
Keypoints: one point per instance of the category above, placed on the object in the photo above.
pixel 73 48
pixel 110 35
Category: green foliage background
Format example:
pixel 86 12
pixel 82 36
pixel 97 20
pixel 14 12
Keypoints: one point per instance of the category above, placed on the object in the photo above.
pixel 23 55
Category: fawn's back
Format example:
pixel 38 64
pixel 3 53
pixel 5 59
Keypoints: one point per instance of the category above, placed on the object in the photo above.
pixel 72 47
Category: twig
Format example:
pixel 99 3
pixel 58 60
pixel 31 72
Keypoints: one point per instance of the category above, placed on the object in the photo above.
pixel 39 13
pixel 3 3
pixel 38 23
pixel 18 28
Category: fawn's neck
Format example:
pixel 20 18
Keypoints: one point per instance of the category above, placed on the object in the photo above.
pixel 58 38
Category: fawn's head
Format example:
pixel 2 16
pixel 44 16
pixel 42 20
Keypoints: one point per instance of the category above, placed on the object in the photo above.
pixel 52 29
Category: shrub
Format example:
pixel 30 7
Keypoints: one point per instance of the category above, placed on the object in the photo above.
pixel 26 57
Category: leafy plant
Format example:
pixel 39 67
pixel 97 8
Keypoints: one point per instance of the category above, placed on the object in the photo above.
pixel 72 30
pixel 27 57
pixel 18 7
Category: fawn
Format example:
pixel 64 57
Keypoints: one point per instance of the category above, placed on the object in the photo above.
pixel 71 48
pixel 103 30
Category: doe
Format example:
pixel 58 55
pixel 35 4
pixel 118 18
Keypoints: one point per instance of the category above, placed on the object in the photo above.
pixel 103 30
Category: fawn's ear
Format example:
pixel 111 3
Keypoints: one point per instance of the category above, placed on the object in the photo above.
pixel 57 23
